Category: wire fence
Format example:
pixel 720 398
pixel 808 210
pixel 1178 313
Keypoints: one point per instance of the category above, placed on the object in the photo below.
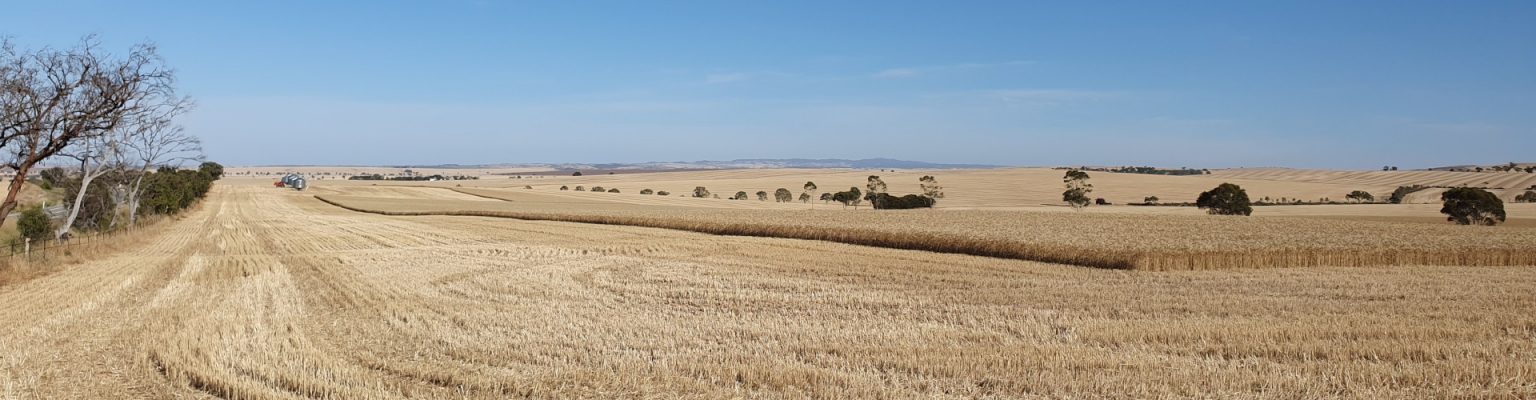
pixel 38 250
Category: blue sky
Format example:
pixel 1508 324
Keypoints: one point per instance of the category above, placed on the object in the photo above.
pixel 1200 84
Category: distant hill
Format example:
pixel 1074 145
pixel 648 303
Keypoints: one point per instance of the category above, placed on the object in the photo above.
pixel 1506 167
pixel 870 163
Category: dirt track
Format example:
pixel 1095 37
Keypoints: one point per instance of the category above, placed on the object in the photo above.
pixel 266 293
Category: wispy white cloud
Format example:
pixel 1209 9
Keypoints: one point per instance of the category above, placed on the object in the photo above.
pixel 908 72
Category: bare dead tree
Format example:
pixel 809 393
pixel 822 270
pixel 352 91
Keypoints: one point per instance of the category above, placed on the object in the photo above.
pixel 54 98
pixel 153 144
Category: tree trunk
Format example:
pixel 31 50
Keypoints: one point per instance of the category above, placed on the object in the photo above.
pixel 74 211
pixel 15 189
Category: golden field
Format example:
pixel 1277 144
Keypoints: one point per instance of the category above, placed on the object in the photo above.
pixel 271 293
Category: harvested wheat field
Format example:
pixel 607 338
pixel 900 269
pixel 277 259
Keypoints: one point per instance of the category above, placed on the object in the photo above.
pixel 1105 240
pixel 271 293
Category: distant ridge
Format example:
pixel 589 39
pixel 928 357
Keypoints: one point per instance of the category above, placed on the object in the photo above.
pixel 754 163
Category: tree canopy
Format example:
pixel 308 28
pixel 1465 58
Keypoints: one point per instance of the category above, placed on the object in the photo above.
pixel 1468 206
pixel 1226 199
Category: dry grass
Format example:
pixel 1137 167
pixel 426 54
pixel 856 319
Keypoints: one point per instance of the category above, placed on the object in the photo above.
pixel 21 268
pixel 1144 242
pixel 267 293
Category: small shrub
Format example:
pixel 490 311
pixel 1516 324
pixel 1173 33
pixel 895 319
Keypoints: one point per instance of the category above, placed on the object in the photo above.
pixel 565 188
pixel 740 196
pixel 598 189
pixel 614 190
pixel 581 188
pixel 701 192
pixel 1100 201
pixel 663 193
pixel 577 173
pixel 34 224
pixel 646 191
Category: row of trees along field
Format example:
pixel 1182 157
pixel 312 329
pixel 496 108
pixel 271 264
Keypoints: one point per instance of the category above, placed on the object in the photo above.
pixel 1462 205
pixel 111 120
pixel 874 192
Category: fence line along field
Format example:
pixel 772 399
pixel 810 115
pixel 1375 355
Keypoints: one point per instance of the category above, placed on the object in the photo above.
pixel 270 293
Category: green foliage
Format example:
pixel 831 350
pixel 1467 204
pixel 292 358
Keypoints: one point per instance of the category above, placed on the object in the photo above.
pixel 700 192
pixel 577 173
pixel 931 187
pixel 875 186
pixel 663 193
pixel 34 224
pixel 1154 171
pixel 647 191
pixel 52 178
pixel 1528 197
pixel 598 189
pixel 563 187
pixel 1360 195
pixel 889 202
pixel 848 198
pixel 1226 199
pixel 783 195
pixel 1467 206
pixel 825 197
pixel 740 196
pixel 1402 192
pixel 613 190
pixel 97 207
pixel 170 190
pixel 1078 189
pixel 805 198
pixel 212 169
pixel 1150 200
pixel 580 188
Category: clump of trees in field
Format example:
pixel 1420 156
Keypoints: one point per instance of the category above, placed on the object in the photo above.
pixel 1225 199
pixel 111 120
pixel 1528 197
pixel 1147 170
pixel 762 195
pixel 700 192
pixel 412 177
pixel 1402 192
pixel 1469 206
pixel 851 197
pixel 742 195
